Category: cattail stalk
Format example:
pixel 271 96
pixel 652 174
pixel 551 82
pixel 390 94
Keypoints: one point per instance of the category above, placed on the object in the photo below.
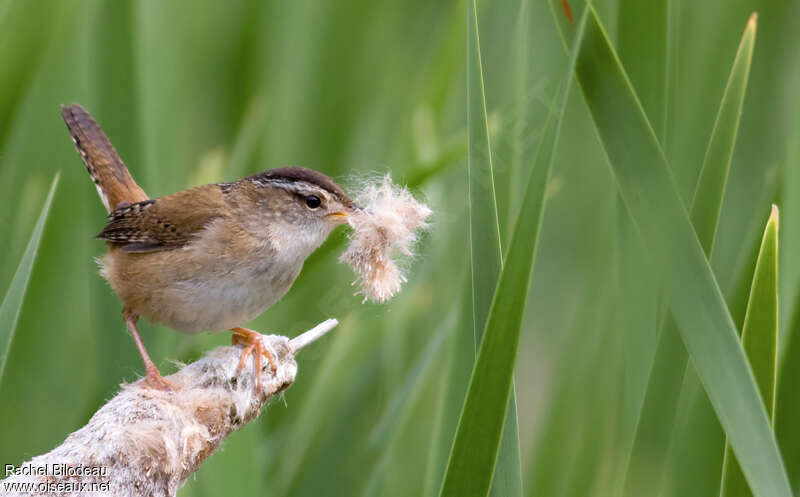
pixel 146 442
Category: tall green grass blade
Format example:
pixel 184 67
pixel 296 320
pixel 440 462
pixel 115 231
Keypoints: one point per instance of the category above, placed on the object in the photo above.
pixel 710 191
pixel 520 90
pixel 507 479
pixel 12 302
pixel 669 367
pixel 474 453
pixel 646 461
pixel 485 238
pixel 760 342
pixel 637 305
pixel 652 198
pixel 642 42
pixel 789 187
pixel 696 449
pixel 787 405
pixel 486 253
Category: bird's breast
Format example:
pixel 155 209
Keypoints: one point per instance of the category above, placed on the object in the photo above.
pixel 208 286
pixel 228 298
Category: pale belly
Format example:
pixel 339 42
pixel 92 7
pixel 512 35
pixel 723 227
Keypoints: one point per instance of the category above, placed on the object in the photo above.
pixel 217 294
pixel 220 303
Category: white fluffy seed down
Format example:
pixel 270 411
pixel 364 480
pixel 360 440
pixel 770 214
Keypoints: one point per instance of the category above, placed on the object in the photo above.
pixel 386 225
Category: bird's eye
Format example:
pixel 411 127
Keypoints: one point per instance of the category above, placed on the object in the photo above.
pixel 312 201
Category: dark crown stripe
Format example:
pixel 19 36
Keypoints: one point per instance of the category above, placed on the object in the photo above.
pixel 301 174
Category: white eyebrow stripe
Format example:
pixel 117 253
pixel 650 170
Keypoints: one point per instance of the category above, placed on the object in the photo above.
pixel 301 187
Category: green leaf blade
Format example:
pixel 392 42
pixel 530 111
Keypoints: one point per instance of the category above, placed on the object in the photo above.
pixel 669 368
pixel 707 203
pixel 651 195
pixel 643 50
pixel 486 249
pixel 760 331
pixel 12 302
pixel 760 342
pixel 473 455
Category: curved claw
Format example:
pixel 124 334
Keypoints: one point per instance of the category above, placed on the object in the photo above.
pixel 252 345
pixel 153 379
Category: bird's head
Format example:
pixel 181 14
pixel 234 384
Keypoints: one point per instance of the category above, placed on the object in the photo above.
pixel 296 207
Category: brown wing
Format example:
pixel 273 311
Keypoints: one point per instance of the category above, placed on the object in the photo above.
pixel 164 223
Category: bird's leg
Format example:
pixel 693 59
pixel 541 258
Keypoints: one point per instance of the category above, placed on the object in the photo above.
pixel 152 377
pixel 252 345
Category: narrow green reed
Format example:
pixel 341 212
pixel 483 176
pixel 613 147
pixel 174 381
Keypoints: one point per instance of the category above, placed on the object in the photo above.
pixel 700 311
pixel 760 342
pixel 486 250
pixel 15 295
pixel 657 416
pixel 474 452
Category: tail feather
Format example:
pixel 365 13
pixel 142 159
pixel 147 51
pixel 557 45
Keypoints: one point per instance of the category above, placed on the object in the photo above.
pixel 111 178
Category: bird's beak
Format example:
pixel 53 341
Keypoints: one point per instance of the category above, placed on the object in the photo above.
pixel 340 216
pixel 343 216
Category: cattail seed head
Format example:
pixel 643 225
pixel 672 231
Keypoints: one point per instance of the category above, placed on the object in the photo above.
pixel 386 225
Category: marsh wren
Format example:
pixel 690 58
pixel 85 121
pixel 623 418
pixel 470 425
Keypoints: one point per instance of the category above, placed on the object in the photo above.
pixel 211 257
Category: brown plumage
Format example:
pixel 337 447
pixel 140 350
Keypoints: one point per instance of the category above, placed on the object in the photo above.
pixel 112 179
pixel 165 223
pixel 211 257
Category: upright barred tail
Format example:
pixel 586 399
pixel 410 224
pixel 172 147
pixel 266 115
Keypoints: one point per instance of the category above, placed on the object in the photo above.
pixel 111 178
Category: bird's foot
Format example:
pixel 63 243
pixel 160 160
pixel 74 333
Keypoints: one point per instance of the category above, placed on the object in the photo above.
pixel 252 345
pixel 154 380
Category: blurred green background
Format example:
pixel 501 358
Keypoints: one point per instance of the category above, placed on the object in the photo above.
pixel 198 92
